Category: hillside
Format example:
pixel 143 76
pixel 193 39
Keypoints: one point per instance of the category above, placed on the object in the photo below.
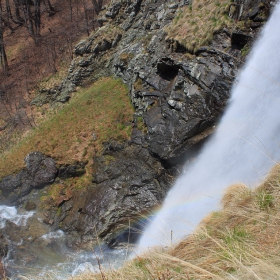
pixel 32 63
pixel 97 123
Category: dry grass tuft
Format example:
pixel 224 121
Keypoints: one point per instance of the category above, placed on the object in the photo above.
pixel 241 241
pixel 76 132
pixel 234 195
pixel 195 25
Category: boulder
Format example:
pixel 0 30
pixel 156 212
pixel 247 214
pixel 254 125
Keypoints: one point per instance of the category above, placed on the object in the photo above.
pixel 113 10
pixel 40 171
pixel 71 170
pixel 29 206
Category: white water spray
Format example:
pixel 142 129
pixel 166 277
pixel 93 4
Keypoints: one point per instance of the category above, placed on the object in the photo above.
pixel 244 148
pixel 10 214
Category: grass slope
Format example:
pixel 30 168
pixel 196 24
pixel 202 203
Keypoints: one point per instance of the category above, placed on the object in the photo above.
pixel 241 241
pixel 195 25
pixel 95 114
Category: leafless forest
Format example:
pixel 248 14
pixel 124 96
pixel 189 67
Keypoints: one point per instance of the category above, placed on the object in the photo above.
pixel 36 40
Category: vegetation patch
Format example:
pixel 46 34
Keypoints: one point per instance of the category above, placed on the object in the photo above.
pixel 195 25
pixel 96 114
pixel 126 57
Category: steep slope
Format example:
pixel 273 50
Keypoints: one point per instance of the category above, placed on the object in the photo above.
pixel 31 64
pixel 178 97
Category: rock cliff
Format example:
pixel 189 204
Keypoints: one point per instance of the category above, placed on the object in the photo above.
pixel 178 98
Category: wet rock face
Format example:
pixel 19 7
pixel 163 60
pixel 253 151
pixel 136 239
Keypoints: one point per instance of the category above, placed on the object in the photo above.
pixel 40 171
pixel 4 246
pixel 127 182
pixel 185 97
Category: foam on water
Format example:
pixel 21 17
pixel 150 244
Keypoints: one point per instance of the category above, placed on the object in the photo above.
pixel 53 235
pixel 52 257
pixel 8 213
pixel 243 149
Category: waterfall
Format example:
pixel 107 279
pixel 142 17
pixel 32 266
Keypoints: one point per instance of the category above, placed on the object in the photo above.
pixel 243 149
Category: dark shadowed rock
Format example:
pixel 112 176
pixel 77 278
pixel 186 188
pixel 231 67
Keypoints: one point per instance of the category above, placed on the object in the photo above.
pixel 40 171
pixel 41 168
pixel 239 39
pixel 113 10
pixel 4 246
pixel 72 170
pixel 128 182
pixel 29 206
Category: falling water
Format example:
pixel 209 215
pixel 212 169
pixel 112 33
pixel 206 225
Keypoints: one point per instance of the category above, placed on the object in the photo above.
pixel 243 149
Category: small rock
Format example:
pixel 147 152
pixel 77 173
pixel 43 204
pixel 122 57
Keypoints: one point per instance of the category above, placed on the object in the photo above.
pixel 29 206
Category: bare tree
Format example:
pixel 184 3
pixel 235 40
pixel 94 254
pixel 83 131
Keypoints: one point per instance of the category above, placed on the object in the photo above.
pixel 3 56
pixel 49 7
pixel 37 16
pixel 86 16
pixel 97 5
pixel 19 19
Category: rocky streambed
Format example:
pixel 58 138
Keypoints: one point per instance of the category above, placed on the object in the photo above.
pixel 178 99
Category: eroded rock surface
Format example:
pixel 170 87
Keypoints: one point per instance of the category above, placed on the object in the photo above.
pixel 127 182
pixel 40 171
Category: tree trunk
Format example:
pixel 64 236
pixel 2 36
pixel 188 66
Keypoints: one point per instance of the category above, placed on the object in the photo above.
pixel 37 19
pixel 28 21
pixel 3 56
pixel 86 16
pixel 17 11
pixel 49 7
pixel 97 5
pixel 71 10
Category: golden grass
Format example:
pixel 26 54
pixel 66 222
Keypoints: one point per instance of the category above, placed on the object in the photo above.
pixel 76 132
pixel 195 25
pixel 242 241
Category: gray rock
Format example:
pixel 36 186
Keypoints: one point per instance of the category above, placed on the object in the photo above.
pixel 116 40
pixel 113 10
pixel 29 206
pixel 128 182
pixel 83 47
pixel 40 171
pixel 71 170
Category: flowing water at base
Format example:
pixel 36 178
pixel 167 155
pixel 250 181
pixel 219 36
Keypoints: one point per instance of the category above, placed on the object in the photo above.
pixel 243 149
pixel 36 253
